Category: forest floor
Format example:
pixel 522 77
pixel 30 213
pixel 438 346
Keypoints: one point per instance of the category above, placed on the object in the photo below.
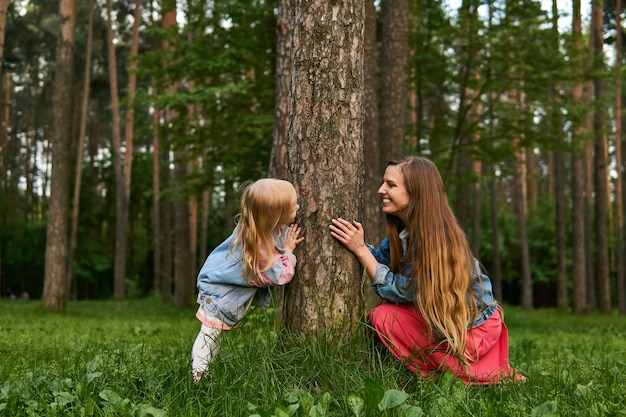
pixel 131 358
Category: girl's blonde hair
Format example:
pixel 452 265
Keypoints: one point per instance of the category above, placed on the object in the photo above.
pixel 442 262
pixel 263 203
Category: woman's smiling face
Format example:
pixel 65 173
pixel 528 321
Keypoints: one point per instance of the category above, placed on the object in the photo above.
pixel 393 192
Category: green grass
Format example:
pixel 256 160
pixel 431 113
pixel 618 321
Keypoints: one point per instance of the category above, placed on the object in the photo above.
pixel 131 358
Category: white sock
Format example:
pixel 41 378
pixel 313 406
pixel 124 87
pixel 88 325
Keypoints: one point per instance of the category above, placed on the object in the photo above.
pixel 204 349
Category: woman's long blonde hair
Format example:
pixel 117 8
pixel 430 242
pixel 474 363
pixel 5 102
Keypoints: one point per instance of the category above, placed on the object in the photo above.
pixel 441 259
pixel 263 203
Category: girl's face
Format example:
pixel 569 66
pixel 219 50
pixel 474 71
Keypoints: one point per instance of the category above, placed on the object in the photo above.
pixel 393 192
pixel 290 216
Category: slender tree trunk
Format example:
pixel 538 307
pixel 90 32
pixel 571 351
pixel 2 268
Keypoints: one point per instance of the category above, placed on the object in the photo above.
pixel 31 163
pixel 531 182
pixel 193 237
pixel 559 178
pixel 121 204
pixel 463 172
pixel 587 164
pixel 579 269
pixel 4 104
pixel 169 21
pixel 183 273
pixel 166 282
pixel 4 6
pixel 79 153
pixel 519 200
pixel 561 230
pixel 394 78
pixel 619 181
pixel 520 209
pixel 156 198
pixel 55 295
pixel 282 110
pixel 476 209
pixel 207 200
pixel 373 221
pixel 495 273
pixel 326 162
pixel 601 164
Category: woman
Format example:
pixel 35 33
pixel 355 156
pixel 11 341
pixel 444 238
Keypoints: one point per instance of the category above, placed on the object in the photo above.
pixel 440 313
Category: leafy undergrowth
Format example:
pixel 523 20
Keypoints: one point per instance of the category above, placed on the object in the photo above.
pixel 131 358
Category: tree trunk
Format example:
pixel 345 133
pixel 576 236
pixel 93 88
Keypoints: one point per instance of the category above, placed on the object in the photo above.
pixel 476 209
pixel 619 181
pixel 166 281
pixel 601 163
pixel 121 203
pixel 519 200
pixel 326 162
pixel 556 122
pixel 394 78
pixel 282 110
pixel 561 230
pixel 156 199
pixel 169 20
pixel 183 273
pixel 79 153
pixel 495 273
pixel 590 278
pixel 4 5
pixel 207 202
pixel 55 293
pixel 129 131
pixel 373 221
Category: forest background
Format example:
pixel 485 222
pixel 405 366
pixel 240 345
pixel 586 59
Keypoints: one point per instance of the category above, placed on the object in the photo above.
pixel 126 136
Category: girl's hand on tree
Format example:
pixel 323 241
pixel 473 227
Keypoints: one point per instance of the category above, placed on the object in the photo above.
pixel 293 238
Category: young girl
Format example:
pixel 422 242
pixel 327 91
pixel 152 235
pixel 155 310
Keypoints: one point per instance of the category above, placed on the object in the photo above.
pixel 440 313
pixel 257 255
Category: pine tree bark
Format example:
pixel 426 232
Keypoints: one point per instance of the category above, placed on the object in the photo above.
pixel 183 274
pixel 394 78
pixel 156 199
pixel 129 126
pixel 55 294
pixel 121 203
pixel 4 99
pixel 282 110
pixel 166 277
pixel 601 163
pixel 588 161
pixel 562 301
pixel 78 175
pixel 326 162
pixel 168 21
pixel 373 221
pixel 496 272
pixel 619 181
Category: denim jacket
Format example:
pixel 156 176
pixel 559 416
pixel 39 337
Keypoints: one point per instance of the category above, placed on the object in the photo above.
pixel 397 288
pixel 222 288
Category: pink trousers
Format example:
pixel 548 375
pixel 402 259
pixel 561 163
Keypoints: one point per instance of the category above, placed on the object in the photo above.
pixel 404 331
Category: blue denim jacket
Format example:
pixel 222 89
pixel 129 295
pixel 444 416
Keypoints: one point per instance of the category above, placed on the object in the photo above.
pixel 222 288
pixel 397 288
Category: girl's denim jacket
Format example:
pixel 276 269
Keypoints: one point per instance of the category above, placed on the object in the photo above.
pixel 398 288
pixel 222 288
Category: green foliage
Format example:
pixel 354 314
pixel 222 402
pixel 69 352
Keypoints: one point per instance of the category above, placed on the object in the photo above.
pixel 132 359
